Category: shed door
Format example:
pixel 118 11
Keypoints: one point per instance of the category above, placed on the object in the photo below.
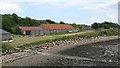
pixel 28 32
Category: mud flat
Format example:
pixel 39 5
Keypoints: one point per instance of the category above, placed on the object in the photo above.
pixel 94 54
pixel 101 51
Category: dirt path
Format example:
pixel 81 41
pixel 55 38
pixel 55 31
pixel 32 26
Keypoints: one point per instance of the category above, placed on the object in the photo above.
pixel 90 52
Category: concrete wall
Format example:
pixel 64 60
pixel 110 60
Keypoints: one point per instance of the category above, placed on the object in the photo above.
pixel 42 32
pixel 46 31
pixel 57 31
pixel 6 36
pixel 23 32
pixel 34 32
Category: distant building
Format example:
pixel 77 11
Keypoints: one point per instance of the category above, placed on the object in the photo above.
pixel 56 28
pixel 4 35
pixel 28 30
pixel 47 29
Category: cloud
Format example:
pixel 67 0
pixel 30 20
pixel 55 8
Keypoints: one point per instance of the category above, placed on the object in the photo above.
pixel 85 4
pixel 9 7
pixel 70 3
pixel 105 15
pixel 105 11
pixel 89 4
pixel 101 9
pixel 34 1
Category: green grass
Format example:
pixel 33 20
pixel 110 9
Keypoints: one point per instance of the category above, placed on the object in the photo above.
pixel 19 41
pixel 23 42
pixel 6 48
pixel 108 32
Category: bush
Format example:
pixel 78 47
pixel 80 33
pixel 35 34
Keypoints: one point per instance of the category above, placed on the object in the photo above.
pixel 7 48
pixel 108 32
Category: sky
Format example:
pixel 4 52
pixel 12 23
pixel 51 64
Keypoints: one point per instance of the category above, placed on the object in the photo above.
pixel 68 11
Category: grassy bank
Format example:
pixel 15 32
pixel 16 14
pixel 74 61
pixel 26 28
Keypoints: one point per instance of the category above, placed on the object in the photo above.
pixel 22 40
pixel 31 41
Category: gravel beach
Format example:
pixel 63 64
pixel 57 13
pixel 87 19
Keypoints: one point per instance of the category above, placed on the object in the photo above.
pixel 101 51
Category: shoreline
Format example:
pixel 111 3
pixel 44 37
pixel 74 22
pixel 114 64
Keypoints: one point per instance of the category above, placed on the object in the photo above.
pixel 81 42
pixel 55 46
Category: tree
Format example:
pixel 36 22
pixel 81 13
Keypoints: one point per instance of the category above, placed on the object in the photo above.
pixel 7 23
pixel 28 20
pixel 15 17
pixel 95 25
pixel 62 22
pixel 105 25
pixel 50 22
pixel 76 25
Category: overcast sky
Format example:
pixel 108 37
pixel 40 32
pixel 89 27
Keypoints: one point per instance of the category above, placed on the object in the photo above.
pixel 69 11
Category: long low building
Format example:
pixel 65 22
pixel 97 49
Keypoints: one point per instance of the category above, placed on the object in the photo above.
pixel 47 29
pixel 53 28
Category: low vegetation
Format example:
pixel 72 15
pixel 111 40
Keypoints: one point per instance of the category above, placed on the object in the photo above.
pixel 108 32
pixel 8 48
pixel 104 25
pixel 20 40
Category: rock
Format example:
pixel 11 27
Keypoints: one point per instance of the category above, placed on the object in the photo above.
pixel 27 50
pixel 17 48
pixel 110 61
pixel 53 43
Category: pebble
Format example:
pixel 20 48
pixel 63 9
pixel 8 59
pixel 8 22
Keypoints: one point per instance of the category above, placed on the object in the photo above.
pixel 110 60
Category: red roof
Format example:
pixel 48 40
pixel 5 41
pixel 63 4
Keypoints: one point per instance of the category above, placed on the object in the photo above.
pixel 57 26
pixel 30 28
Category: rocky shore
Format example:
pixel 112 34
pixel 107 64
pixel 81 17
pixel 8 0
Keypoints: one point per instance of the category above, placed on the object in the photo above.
pixel 74 41
pixel 50 47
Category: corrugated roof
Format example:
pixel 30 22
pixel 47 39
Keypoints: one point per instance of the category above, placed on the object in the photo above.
pixel 4 32
pixel 30 28
pixel 57 26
